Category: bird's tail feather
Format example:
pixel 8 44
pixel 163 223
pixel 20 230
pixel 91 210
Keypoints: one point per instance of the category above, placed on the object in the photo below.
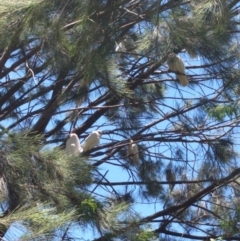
pixel 183 79
pixel 135 159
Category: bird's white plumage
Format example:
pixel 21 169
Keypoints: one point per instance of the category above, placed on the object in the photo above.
pixel 175 63
pixel 92 140
pixel 161 32
pixel 73 145
pixel 127 45
pixel 4 194
pixel 82 90
pixel 170 177
pixel 133 152
pixel 120 47
pixel 130 46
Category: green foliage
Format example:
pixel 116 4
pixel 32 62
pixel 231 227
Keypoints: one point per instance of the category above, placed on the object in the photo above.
pixel 145 236
pixel 35 177
pixel 217 239
pixel 230 223
pixel 221 111
pixel 89 208
pixel 40 219
pixel 60 73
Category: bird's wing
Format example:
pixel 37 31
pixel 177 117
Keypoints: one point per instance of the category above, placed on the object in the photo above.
pixel 129 43
pixel 78 146
pixel 134 153
pixel 73 145
pixel 129 149
pixel 85 145
pixel 77 143
pixel 69 145
pixel 134 148
pixel 135 156
pixel 172 179
pixel 71 148
pixel 180 67
pixel 120 48
pixel 91 141
pixel 171 62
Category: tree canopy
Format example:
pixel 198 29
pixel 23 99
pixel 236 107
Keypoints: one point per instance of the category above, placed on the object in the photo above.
pixel 154 86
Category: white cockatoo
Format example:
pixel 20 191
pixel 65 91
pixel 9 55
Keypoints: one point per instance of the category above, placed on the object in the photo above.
pixel 133 152
pixel 130 45
pixel 82 90
pixel 175 63
pixel 170 177
pixel 92 140
pixel 184 177
pixel 127 45
pixel 160 32
pixel 192 53
pixel 73 145
pixel 120 47
pixel 4 194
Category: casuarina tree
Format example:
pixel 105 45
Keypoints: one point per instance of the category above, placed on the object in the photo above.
pixel 99 100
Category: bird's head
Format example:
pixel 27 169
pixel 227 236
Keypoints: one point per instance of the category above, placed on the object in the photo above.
pixel 171 56
pixel 99 132
pixel 73 135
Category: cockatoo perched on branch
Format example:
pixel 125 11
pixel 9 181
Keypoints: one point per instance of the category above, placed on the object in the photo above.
pixel 133 152
pixel 175 63
pixel 170 177
pixel 73 145
pixel 120 47
pixel 127 45
pixel 4 194
pixel 92 140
